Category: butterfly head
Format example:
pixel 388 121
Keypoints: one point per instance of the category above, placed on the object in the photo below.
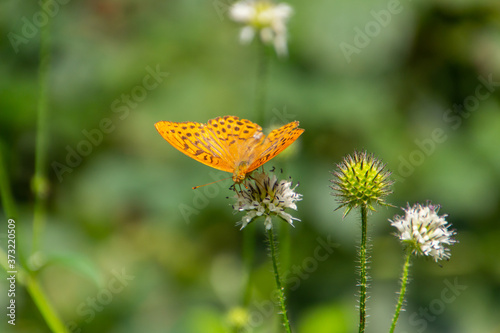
pixel 240 172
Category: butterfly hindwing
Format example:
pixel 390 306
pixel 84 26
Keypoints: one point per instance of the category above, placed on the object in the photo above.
pixel 194 140
pixel 276 142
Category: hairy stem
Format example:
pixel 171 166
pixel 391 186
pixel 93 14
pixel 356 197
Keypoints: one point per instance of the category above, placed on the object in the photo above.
pixel 281 290
pixel 404 283
pixel 363 271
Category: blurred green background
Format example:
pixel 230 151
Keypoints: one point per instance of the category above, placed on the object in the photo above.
pixel 130 247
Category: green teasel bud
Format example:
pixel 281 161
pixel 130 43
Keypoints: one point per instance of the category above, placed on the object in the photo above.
pixel 361 180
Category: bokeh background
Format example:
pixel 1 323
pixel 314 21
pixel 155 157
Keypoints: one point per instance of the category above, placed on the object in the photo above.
pixel 129 246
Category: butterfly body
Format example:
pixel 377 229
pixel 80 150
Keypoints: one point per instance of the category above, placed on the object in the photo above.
pixel 240 172
pixel 229 143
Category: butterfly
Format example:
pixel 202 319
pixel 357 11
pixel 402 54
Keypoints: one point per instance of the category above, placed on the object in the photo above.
pixel 229 143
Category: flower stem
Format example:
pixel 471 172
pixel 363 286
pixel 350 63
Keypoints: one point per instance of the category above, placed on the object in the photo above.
pixel 40 182
pixel 37 294
pixel 281 290
pixel 404 283
pixel 363 272
pixel 261 83
pixel 43 304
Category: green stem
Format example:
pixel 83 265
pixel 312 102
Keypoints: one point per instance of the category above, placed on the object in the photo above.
pixel 40 182
pixel 404 283
pixel 43 304
pixel 37 294
pixel 281 290
pixel 261 83
pixel 363 272
pixel 248 258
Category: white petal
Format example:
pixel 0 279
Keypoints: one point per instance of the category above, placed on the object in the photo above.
pixel 268 222
pixel 246 34
pixel 266 35
pixel 242 12
pixel 283 11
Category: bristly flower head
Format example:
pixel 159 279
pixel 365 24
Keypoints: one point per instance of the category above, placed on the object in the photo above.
pixel 263 17
pixel 266 196
pixel 361 180
pixel 424 232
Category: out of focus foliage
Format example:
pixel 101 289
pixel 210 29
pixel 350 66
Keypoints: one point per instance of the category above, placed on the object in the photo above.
pixel 414 82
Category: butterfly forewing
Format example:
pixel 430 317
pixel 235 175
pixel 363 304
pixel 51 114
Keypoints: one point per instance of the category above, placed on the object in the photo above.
pixel 193 139
pixel 276 142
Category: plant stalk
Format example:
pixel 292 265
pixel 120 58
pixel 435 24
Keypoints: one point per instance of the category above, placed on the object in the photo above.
pixel 40 181
pixel 363 257
pixel 279 286
pixel 404 283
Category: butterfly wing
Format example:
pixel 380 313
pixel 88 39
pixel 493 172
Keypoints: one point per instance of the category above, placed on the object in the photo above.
pixel 228 143
pixel 196 141
pixel 276 142
pixel 238 136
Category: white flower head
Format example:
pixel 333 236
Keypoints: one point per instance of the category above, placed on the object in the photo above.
pixel 266 196
pixel 424 231
pixel 265 18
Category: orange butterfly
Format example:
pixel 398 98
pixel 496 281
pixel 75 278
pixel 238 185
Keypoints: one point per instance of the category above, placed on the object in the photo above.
pixel 229 143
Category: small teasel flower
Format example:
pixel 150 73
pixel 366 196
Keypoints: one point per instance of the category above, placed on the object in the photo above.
pixel 265 18
pixel 238 318
pixel 361 180
pixel 266 196
pixel 424 232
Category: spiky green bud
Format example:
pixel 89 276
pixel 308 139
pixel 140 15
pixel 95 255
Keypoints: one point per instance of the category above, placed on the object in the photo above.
pixel 361 180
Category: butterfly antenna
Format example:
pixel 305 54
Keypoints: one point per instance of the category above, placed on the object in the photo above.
pixel 195 187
